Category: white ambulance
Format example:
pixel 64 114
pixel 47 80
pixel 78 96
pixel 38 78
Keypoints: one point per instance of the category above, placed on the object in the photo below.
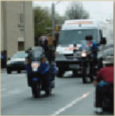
pixel 72 34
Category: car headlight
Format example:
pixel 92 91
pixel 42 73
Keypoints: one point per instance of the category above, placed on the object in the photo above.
pixel 35 66
pixel 83 54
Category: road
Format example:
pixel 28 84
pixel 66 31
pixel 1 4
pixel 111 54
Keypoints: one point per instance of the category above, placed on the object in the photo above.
pixel 69 97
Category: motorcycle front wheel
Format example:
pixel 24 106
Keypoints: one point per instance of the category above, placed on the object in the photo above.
pixel 84 76
pixel 35 92
pixel 48 92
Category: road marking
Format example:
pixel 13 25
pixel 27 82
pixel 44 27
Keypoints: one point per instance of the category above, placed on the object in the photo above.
pixel 71 104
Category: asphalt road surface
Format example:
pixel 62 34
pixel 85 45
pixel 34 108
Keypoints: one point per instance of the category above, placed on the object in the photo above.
pixel 69 97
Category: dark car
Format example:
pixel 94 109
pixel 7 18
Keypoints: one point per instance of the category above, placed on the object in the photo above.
pixel 16 62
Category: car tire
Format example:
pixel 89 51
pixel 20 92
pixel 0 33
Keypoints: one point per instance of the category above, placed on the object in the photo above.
pixel 75 74
pixel 18 71
pixel 8 71
pixel 60 73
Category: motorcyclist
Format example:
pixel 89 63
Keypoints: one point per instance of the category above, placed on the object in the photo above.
pixel 43 41
pixel 44 71
pixel 47 50
pixel 91 46
pixel 49 55
pixel 104 82
pixel 43 68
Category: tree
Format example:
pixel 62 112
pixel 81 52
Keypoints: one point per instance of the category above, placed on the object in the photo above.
pixel 42 19
pixel 76 11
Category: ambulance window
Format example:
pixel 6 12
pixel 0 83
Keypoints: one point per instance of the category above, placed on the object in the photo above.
pixel 76 36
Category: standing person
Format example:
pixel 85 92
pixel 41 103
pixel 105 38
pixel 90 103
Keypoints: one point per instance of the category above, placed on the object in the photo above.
pixel 104 82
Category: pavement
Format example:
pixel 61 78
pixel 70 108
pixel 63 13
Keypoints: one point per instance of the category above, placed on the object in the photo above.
pixel 69 97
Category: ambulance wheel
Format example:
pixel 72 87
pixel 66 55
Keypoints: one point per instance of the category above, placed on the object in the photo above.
pixel 60 74
pixel 8 71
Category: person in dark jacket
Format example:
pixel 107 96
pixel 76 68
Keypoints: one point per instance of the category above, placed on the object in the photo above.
pixel 50 54
pixel 104 82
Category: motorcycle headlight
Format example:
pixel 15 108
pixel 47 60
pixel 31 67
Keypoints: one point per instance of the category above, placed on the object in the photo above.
pixel 35 66
pixel 83 54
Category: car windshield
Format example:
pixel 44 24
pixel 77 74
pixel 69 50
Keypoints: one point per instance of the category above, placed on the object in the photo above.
pixel 76 36
pixel 19 55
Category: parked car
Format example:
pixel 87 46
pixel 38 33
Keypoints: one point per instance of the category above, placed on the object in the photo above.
pixel 16 62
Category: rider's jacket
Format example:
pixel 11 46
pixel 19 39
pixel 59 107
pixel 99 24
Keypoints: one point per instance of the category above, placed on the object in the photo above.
pixel 106 74
pixel 44 67
pixel 90 46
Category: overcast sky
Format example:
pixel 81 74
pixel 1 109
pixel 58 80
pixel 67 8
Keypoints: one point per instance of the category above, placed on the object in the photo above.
pixel 97 9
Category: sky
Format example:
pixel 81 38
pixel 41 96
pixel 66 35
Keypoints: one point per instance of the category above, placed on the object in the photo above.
pixel 97 9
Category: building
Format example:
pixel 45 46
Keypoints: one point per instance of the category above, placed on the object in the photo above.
pixel 17 26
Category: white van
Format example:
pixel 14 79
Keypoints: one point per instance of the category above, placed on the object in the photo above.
pixel 72 34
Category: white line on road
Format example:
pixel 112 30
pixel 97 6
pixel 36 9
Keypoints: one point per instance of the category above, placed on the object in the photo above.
pixel 71 104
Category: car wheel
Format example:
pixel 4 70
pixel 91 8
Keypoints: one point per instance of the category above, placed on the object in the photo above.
pixel 19 71
pixel 8 71
pixel 75 73
pixel 60 73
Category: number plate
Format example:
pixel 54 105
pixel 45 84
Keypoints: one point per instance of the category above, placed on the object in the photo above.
pixel 73 66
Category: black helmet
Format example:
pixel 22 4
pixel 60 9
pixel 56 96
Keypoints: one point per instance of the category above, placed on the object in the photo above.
pixel 89 37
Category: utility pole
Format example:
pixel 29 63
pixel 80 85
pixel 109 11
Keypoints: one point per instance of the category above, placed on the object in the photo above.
pixel 53 21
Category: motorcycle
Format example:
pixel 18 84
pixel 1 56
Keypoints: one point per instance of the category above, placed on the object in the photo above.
pixel 39 72
pixel 88 69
